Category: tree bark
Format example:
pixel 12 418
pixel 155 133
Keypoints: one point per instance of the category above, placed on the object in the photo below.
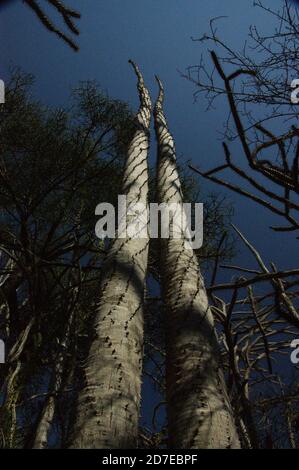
pixel 108 405
pixel 198 409
pixel 46 416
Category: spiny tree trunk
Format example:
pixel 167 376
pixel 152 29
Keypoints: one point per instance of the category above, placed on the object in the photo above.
pixel 108 406
pixel 199 414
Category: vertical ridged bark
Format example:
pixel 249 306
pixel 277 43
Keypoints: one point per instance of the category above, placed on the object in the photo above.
pixel 108 406
pixel 199 414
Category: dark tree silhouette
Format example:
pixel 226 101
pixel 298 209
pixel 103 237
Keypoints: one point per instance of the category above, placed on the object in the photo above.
pixel 67 14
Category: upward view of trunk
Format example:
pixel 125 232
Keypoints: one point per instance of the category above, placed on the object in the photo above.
pixel 108 406
pixel 47 412
pixel 199 414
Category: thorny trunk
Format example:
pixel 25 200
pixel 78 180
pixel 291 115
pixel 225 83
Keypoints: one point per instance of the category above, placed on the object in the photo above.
pixel 199 413
pixel 108 405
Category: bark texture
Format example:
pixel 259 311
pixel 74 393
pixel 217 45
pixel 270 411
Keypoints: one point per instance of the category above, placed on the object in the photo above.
pixel 199 413
pixel 108 406
pixel 46 416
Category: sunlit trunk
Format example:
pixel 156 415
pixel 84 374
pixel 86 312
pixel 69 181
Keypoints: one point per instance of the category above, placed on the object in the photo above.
pixel 108 407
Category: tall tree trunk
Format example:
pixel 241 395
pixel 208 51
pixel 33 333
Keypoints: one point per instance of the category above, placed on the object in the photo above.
pixel 46 416
pixel 9 388
pixel 199 414
pixel 9 284
pixel 108 405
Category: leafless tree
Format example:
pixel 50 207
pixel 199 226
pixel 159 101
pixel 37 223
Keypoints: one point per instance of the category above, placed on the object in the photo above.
pixel 258 310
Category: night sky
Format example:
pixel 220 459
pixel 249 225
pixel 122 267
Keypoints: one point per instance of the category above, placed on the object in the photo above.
pixel 157 35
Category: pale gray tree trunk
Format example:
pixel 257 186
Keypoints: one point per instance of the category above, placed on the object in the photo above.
pixel 45 423
pixel 108 407
pixel 199 413
pixel 9 284
pixel 46 416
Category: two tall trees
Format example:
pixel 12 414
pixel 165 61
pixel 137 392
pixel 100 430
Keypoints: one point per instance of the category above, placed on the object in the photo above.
pixel 199 414
pixel 57 280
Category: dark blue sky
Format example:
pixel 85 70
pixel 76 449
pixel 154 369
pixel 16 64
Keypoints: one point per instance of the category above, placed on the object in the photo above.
pixel 157 35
